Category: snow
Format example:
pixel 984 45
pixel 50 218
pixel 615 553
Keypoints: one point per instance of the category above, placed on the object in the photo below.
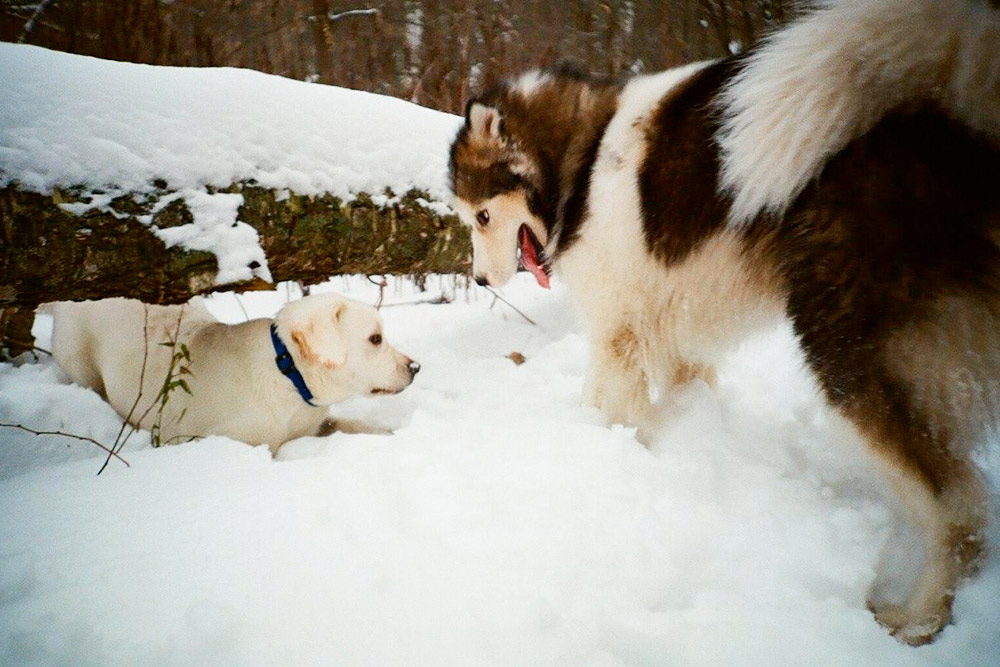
pixel 501 524
pixel 112 128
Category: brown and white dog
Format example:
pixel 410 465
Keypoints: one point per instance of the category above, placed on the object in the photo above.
pixel 262 381
pixel 844 175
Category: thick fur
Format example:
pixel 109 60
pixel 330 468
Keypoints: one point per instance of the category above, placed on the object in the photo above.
pixel 822 82
pixel 236 387
pixel 842 175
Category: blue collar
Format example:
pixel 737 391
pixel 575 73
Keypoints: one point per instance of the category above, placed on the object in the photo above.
pixel 287 367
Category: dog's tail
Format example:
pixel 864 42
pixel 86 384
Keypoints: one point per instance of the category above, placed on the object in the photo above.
pixel 831 75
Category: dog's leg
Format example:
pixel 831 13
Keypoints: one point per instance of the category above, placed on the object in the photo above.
pixel 944 497
pixel 948 511
pixel 618 383
pixel 625 375
pixel 350 426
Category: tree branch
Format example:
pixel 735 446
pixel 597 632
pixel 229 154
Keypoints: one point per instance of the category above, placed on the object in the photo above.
pixel 30 25
pixel 351 12
pixel 116 447
pixel 496 295
pixel 67 435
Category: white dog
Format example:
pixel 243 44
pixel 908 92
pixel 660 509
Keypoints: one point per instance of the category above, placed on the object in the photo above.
pixel 262 381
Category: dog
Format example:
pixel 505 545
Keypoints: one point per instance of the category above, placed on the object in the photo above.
pixel 841 175
pixel 178 372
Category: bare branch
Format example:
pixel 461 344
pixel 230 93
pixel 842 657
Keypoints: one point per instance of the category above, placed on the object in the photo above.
pixel 351 12
pixel 437 300
pixel 30 25
pixel 239 303
pixel 116 447
pixel 68 435
pixel 496 295
pixel 382 284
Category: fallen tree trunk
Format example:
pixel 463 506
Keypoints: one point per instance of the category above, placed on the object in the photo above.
pixel 50 254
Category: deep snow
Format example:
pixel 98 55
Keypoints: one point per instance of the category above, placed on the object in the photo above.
pixel 74 120
pixel 500 525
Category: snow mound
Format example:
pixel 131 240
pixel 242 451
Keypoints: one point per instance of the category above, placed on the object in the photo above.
pixel 70 120
pixel 115 128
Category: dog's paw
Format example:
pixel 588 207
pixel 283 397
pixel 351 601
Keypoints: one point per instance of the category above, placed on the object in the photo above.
pixel 915 629
pixel 354 426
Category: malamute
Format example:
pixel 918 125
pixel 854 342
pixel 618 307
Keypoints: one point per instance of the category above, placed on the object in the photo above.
pixel 844 175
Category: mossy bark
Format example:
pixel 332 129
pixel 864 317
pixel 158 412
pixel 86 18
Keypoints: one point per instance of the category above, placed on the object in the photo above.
pixel 49 254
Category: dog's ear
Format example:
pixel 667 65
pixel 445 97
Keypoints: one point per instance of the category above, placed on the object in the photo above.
pixel 483 120
pixel 321 338
pixel 338 311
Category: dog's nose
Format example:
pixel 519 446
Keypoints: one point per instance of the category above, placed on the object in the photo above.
pixel 481 281
pixel 413 367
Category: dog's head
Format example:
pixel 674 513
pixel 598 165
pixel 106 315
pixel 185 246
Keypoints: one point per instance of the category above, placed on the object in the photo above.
pixel 496 186
pixel 339 347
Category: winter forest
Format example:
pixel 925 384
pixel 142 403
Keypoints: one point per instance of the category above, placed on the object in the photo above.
pixel 431 53
pixel 312 353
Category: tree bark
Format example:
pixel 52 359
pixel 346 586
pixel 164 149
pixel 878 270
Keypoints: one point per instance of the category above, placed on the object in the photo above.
pixel 15 331
pixel 321 40
pixel 49 254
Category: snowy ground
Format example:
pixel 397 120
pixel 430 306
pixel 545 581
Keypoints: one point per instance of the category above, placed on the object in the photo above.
pixel 500 525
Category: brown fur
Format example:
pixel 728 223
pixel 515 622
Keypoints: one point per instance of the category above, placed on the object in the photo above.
pixel 301 338
pixel 556 130
pixel 892 277
pixel 887 265
pixel 680 161
pixel 920 228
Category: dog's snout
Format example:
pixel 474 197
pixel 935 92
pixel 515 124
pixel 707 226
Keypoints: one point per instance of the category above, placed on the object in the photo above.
pixel 481 281
pixel 413 367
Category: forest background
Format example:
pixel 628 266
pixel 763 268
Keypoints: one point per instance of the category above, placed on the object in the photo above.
pixel 431 52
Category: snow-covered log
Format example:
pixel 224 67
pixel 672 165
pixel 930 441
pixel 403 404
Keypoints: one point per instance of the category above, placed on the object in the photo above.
pixel 160 183
pixel 49 253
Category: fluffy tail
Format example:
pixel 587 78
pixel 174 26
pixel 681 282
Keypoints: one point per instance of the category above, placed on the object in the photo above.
pixel 830 76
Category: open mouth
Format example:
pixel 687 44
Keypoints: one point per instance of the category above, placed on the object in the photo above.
pixel 533 255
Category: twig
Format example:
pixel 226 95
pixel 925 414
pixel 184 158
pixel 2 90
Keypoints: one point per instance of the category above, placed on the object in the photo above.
pixel 441 298
pixel 382 284
pixel 67 435
pixel 496 295
pixel 161 396
pixel 30 25
pixel 142 378
pixel 239 303
pixel 351 12
pixel 28 346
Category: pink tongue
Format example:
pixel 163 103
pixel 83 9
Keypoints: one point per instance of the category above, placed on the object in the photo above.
pixel 530 258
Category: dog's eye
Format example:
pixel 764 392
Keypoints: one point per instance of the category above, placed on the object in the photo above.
pixel 483 217
pixel 375 339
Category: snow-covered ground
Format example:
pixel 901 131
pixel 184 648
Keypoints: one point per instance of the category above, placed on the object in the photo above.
pixel 500 525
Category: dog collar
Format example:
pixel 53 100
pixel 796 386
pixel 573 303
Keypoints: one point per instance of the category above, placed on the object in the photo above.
pixel 283 360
